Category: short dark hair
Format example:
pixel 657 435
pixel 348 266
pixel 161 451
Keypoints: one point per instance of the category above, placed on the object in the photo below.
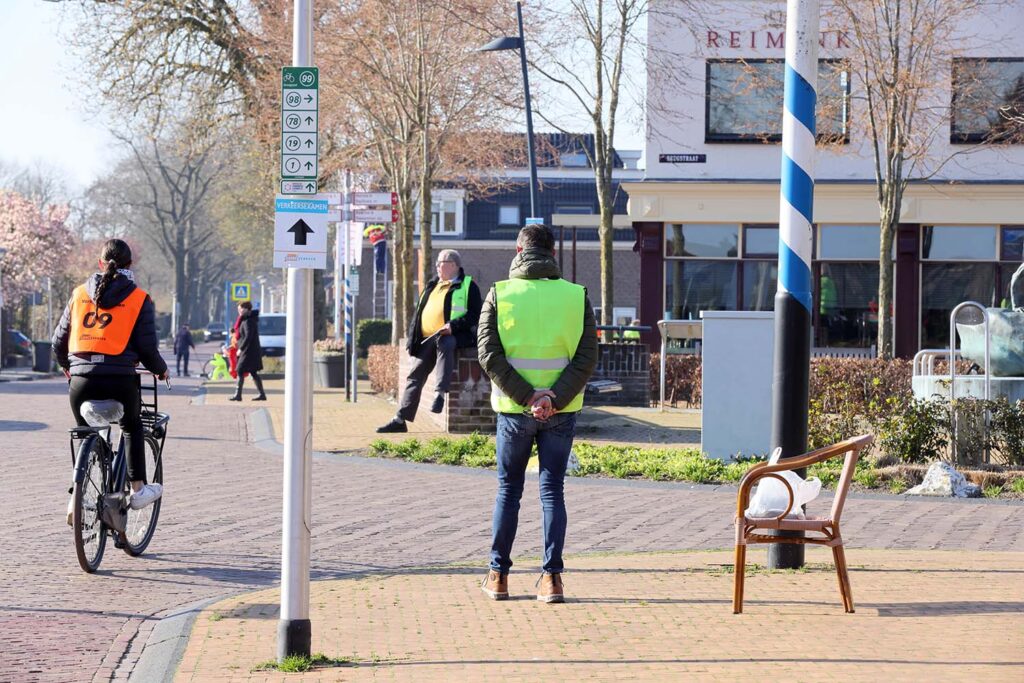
pixel 247 305
pixel 536 237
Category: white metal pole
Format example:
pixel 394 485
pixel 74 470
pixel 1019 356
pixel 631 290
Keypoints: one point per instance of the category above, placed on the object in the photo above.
pixel 294 630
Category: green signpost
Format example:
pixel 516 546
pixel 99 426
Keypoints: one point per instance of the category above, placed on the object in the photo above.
pixel 299 114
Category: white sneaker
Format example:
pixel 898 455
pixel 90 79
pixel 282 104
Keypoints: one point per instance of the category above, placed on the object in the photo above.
pixel 71 511
pixel 147 495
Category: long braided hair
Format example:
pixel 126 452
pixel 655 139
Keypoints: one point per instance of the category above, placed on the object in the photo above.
pixel 116 254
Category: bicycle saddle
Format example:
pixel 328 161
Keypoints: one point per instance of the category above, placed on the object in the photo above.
pixel 101 413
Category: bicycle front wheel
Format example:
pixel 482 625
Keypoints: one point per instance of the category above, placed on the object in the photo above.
pixel 142 523
pixel 90 532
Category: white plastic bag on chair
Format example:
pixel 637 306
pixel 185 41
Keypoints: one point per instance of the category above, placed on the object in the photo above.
pixel 771 497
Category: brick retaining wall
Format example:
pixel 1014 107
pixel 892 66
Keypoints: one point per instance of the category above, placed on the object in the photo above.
pixel 628 364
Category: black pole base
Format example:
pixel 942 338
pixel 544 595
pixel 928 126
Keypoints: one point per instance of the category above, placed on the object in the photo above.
pixel 294 637
pixel 792 365
pixel 786 555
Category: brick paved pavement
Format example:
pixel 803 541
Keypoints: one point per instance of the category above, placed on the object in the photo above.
pixel 220 528
pixel 921 615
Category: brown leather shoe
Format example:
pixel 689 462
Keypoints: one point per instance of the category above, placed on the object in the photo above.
pixel 551 588
pixel 495 585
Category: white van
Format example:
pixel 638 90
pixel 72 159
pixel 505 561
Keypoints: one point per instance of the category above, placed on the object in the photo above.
pixel 272 331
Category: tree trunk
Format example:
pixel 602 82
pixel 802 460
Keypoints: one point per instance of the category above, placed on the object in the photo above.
pixel 606 234
pixel 426 204
pixel 885 331
pixel 398 325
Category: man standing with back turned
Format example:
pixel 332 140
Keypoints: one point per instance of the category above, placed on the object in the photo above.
pixel 538 343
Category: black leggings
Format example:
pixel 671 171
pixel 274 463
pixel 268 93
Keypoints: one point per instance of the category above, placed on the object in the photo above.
pixel 125 390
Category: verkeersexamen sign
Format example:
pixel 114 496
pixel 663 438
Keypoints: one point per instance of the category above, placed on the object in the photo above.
pixel 299 125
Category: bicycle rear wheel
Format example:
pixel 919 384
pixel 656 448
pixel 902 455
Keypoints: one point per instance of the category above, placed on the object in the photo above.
pixel 142 523
pixel 208 369
pixel 90 532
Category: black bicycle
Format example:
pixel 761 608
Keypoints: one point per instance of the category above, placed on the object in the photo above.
pixel 101 489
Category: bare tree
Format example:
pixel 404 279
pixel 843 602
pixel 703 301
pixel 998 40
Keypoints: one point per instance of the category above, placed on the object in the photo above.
pixel 899 49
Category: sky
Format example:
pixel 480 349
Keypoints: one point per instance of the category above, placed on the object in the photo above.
pixel 42 117
pixel 45 115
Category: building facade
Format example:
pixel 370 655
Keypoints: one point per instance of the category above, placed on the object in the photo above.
pixel 706 212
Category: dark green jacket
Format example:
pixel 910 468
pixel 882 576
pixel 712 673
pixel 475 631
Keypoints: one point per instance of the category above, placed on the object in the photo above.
pixel 535 265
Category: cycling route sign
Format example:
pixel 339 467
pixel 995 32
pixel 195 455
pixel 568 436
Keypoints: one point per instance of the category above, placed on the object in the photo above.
pixel 299 126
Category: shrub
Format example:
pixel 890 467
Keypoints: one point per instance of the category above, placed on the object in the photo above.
pixel 372 332
pixel 382 367
pixel 973 438
pixel 1008 431
pixel 682 379
pixel 329 347
pixel 911 429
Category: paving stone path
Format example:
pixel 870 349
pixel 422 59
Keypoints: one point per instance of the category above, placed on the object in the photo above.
pixel 220 528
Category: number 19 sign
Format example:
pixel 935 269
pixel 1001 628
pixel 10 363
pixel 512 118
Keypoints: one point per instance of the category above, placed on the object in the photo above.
pixel 299 114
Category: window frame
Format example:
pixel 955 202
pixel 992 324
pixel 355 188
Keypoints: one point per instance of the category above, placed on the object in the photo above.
pixel 974 138
pixel 763 138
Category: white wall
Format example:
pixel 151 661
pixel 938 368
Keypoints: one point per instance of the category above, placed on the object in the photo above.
pixel 679 43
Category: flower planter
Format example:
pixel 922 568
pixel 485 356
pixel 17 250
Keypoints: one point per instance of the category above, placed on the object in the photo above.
pixel 329 370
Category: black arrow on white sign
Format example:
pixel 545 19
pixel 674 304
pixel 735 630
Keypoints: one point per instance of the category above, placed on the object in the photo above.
pixel 300 230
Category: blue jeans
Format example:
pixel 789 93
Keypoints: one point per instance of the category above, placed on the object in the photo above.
pixel 516 435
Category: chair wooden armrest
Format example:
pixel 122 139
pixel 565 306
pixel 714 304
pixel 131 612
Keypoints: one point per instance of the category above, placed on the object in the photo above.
pixel 760 471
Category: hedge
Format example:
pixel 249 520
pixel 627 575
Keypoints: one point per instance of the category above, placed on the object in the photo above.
pixel 382 366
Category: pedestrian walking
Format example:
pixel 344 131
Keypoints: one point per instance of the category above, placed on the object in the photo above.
pixel 445 320
pixel 182 344
pixel 538 343
pixel 250 354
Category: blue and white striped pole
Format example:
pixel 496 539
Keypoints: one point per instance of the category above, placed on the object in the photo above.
pixel 793 300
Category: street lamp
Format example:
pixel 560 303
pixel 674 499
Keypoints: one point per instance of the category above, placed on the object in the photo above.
pixel 514 43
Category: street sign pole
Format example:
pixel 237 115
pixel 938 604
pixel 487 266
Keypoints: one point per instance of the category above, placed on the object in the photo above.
pixel 294 631
pixel 794 296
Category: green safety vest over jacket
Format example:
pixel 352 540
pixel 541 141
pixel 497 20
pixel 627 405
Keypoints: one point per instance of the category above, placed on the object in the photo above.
pixel 540 323
pixel 460 298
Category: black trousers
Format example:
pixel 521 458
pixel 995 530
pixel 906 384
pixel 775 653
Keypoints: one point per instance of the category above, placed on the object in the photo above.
pixel 437 350
pixel 182 354
pixel 125 390
pixel 257 380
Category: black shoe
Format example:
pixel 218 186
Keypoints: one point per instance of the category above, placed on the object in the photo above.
pixel 236 397
pixel 261 397
pixel 438 404
pixel 393 427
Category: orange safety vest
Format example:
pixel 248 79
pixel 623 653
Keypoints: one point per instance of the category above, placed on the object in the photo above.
pixel 103 330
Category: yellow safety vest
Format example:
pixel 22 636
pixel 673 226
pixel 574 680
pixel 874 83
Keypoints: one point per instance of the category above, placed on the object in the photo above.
pixel 540 323
pixel 460 299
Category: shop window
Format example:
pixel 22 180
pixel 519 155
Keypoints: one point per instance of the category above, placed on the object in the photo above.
pixel 508 214
pixel 1012 247
pixel 959 243
pixel 760 281
pixel 846 295
pixel 703 240
pixel 743 99
pixel 853 242
pixel 988 100
pixel 695 286
pixel 760 240
pixel 943 287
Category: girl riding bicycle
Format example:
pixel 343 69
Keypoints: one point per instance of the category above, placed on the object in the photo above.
pixel 109 327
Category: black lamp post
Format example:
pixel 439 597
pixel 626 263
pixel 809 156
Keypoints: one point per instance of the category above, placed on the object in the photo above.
pixel 513 43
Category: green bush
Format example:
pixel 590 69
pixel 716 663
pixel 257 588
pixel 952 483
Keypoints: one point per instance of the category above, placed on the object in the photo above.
pixel 371 332
pixel 912 430
pixel 1008 431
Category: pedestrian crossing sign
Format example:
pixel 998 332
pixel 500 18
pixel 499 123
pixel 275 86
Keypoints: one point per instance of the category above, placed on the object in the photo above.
pixel 240 291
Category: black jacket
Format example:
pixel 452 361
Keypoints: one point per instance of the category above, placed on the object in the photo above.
pixel 183 341
pixel 250 354
pixel 143 345
pixel 463 329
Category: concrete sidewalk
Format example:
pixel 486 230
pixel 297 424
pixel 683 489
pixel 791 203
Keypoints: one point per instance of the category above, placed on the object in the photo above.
pixel 921 615
pixel 344 427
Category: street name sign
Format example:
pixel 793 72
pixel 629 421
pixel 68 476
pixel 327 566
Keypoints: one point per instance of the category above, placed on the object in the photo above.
pixel 375 215
pixel 300 231
pixel 375 198
pixel 299 124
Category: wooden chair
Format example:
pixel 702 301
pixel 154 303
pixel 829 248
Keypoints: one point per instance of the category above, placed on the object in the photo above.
pixel 827 527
